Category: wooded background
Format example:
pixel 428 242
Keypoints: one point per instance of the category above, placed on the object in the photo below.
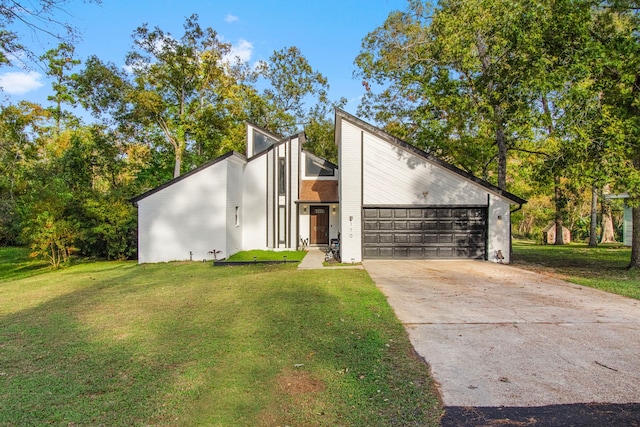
pixel 537 97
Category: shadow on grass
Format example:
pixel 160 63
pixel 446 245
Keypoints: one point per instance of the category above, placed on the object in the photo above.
pixel 181 345
pixel 57 370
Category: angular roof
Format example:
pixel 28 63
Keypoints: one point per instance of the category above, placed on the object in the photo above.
pixel 429 157
pixel 225 156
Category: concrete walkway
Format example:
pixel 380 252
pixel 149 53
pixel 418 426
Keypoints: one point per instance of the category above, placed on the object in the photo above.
pixel 315 257
pixel 495 335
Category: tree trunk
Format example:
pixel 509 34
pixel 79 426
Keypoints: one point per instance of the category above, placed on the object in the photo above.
pixel 559 205
pixel 635 239
pixel 177 164
pixel 593 226
pixel 608 232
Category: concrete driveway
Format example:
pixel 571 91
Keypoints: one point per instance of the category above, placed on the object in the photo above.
pixel 496 335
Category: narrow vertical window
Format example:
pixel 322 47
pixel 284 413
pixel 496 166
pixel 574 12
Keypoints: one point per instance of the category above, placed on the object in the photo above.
pixel 282 228
pixel 237 218
pixel 282 182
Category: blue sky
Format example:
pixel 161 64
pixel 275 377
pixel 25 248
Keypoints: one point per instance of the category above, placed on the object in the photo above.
pixel 328 33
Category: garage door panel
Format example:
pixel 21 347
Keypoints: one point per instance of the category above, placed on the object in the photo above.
pixel 415 252
pixel 446 238
pixel 400 213
pixel 369 238
pixel 400 238
pixel 415 225
pixel 385 225
pixel 385 238
pixel 400 225
pixel 422 233
pixel 370 225
pixel 444 225
pixel 415 238
pixel 385 252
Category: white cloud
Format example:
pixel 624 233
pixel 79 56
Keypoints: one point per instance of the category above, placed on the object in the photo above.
pixel 231 18
pixel 18 82
pixel 243 50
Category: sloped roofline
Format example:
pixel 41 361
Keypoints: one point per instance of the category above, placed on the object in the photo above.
pixel 279 140
pixel 421 153
pixel 225 156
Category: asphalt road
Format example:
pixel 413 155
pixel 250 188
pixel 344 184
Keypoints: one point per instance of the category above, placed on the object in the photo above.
pixel 496 336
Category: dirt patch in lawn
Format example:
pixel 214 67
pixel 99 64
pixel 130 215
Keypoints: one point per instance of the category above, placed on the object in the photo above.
pixel 297 392
pixel 299 382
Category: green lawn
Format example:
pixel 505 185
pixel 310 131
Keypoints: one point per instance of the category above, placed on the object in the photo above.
pixel 603 267
pixel 114 343
pixel 16 263
pixel 267 255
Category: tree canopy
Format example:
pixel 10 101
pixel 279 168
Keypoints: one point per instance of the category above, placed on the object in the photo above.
pixel 540 98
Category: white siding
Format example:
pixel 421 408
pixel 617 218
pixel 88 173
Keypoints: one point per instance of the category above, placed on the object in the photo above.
pixel 293 185
pixel 187 216
pixel 234 200
pixel 499 233
pixel 350 170
pixel 376 172
pixel 394 176
pixel 254 204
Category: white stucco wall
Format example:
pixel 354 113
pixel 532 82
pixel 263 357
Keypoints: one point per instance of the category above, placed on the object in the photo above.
pixel 188 215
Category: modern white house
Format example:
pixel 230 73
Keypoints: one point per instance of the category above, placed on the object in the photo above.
pixel 384 199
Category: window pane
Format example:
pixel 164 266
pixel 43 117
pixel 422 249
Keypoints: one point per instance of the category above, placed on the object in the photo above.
pixel 281 177
pixel 261 142
pixel 318 167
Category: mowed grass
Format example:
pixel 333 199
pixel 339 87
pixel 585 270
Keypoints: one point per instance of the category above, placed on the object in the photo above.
pixel 16 263
pixel 604 267
pixel 267 255
pixel 114 343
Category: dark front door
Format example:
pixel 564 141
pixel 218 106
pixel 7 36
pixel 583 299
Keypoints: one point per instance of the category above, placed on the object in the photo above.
pixel 319 233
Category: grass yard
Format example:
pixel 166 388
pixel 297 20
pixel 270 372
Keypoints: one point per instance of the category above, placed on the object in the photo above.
pixel 603 267
pixel 15 263
pixel 267 255
pixel 114 343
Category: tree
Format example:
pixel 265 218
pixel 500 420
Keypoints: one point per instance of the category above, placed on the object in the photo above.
pixel 59 62
pixel 293 82
pixel 40 17
pixel 454 78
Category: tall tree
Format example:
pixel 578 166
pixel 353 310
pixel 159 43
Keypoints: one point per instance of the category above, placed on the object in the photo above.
pixel 185 89
pixel 60 62
pixel 456 71
pixel 293 85
pixel 175 80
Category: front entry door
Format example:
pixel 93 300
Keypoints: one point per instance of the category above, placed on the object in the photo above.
pixel 319 233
